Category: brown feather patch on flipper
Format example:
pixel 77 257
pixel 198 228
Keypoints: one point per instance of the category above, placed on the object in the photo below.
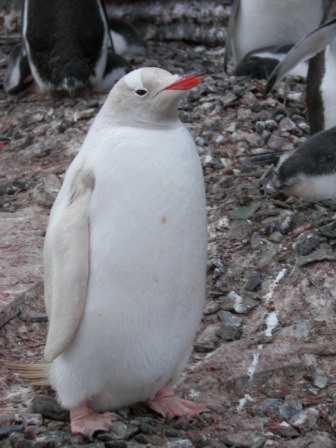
pixel 34 374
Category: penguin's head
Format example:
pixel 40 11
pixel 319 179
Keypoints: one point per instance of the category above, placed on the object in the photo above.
pixel 148 96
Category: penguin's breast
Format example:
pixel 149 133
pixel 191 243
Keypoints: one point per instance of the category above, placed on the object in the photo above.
pixel 148 236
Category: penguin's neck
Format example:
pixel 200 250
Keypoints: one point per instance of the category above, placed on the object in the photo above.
pixel 109 117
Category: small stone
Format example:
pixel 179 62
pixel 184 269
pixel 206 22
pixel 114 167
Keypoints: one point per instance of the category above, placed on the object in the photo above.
pixel 118 431
pixel 267 257
pixel 270 125
pixel 207 341
pixel 320 381
pixel 211 307
pixel 6 431
pixel 289 410
pixel 134 444
pixel 260 126
pixel 270 407
pixel 231 326
pixel 34 419
pixel 179 443
pixel 306 419
pixel 275 142
pixel 49 408
pixel 253 281
pixel 242 305
pixel 52 438
pixel 240 231
pixel 276 237
pixel 287 125
pixel 305 248
pixel 283 429
pixel 152 439
pixel 227 303
pixel 116 444
pixel 245 439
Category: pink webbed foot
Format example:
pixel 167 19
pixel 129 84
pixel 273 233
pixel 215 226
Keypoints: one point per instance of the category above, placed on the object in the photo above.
pixel 166 403
pixel 86 422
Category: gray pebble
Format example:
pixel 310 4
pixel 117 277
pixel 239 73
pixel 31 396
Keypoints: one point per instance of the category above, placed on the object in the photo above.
pixel 6 431
pixel 253 281
pixel 320 381
pixel 245 439
pixel 49 408
pixel 231 326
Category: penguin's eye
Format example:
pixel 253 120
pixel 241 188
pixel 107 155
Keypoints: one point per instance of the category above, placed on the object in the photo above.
pixel 141 92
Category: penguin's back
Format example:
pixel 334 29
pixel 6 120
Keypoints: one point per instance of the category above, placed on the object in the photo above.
pixel 64 38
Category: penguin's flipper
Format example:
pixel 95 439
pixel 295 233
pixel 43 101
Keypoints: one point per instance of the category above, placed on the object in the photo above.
pixel 18 76
pixel 306 48
pixel 116 67
pixel 231 26
pixel 66 260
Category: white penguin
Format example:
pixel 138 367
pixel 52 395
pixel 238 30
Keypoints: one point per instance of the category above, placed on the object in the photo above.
pixel 125 257
pixel 256 26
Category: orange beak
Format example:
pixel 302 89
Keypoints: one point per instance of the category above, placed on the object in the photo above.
pixel 186 83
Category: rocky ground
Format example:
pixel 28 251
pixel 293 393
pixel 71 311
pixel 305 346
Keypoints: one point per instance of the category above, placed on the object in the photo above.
pixel 264 357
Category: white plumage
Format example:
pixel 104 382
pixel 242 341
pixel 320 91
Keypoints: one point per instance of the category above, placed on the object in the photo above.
pixel 125 251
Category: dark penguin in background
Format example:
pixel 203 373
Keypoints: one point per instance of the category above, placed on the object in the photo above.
pixel 321 79
pixel 260 32
pixel 308 172
pixel 18 76
pixel 125 37
pixel 66 44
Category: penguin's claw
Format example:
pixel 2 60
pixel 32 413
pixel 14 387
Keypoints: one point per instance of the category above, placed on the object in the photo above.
pixel 86 422
pixel 166 403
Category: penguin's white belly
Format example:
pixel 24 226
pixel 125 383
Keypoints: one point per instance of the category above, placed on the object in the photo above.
pixel 147 271
pixel 328 88
pixel 265 23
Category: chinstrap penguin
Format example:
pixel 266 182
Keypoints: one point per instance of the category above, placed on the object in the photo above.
pixel 258 24
pixel 320 45
pixel 66 44
pixel 125 257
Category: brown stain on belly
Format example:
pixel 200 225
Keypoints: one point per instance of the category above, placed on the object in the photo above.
pixel 164 219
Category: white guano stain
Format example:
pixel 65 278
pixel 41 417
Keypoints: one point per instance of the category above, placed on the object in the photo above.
pixel 254 364
pixel 271 323
pixel 243 401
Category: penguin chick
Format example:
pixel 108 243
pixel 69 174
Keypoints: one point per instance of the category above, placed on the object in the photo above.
pixel 18 76
pixel 256 24
pixel 125 37
pixel 125 257
pixel 310 171
pixel 66 43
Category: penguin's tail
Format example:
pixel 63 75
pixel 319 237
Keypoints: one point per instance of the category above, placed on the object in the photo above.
pixel 34 374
